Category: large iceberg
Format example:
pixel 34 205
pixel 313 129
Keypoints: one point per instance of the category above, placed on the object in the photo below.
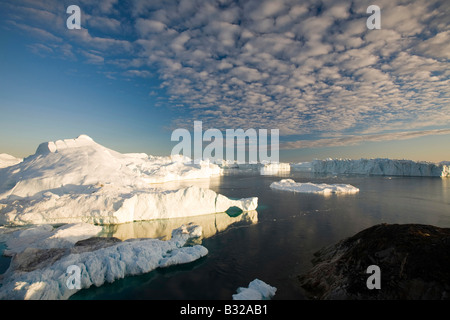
pixel 381 167
pixel 108 207
pixel 81 166
pixel 45 272
pixel 78 180
pixel 309 187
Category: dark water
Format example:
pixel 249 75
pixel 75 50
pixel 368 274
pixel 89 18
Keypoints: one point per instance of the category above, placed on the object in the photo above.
pixel 4 261
pixel 277 242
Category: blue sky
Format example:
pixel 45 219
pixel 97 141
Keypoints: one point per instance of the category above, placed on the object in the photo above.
pixel 138 69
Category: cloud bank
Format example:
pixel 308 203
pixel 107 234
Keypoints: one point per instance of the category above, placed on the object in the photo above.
pixel 304 67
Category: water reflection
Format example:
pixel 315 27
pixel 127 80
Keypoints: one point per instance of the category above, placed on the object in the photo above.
pixel 446 189
pixel 162 229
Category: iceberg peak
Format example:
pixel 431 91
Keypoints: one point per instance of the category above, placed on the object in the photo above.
pixel 58 145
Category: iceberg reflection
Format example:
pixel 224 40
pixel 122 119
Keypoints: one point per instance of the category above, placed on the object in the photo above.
pixel 162 229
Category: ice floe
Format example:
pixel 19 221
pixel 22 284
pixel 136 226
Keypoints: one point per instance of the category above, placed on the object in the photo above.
pixel 256 290
pixel 309 187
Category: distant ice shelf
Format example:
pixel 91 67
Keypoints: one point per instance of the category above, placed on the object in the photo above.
pixel 308 187
pixel 381 167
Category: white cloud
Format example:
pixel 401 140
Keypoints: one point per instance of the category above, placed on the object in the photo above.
pixel 354 140
pixel 305 68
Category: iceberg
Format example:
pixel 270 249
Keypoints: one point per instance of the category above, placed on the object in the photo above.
pixel 308 187
pixel 257 290
pixel 38 274
pixel 82 165
pixel 301 166
pixel 275 168
pixel 48 237
pixel 113 208
pixel 381 167
pixel 79 180
pixel 264 168
pixel 7 160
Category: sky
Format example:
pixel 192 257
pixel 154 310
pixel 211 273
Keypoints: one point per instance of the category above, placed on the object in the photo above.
pixel 139 69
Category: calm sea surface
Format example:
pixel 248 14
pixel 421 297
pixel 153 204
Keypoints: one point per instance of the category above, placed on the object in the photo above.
pixel 276 242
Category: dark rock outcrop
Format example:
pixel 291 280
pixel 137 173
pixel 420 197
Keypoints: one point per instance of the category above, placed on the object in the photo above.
pixel 414 261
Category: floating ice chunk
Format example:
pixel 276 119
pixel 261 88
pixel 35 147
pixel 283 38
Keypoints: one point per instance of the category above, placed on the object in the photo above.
pixel 183 255
pixel 308 187
pixel 257 290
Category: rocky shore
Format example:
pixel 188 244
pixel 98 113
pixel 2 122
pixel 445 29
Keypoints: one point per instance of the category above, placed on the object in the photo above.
pixel 413 259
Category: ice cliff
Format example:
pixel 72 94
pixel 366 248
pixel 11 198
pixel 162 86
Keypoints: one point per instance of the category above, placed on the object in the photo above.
pixel 381 167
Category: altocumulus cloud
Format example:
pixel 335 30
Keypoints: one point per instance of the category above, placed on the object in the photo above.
pixel 309 68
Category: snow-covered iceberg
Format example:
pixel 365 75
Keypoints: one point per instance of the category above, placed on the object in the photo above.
pixel 44 273
pixel 7 160
pixel 109 207
pixel 48 237
pixel 81 166
pixel 309 187
pixel 78 180
pixel 257 290
pixel 381 167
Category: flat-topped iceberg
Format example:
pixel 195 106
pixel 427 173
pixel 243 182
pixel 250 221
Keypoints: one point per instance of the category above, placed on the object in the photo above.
pixel 43 273
pixel 381 167
pixel 78 180
pixel 308 187
pixel 108 207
